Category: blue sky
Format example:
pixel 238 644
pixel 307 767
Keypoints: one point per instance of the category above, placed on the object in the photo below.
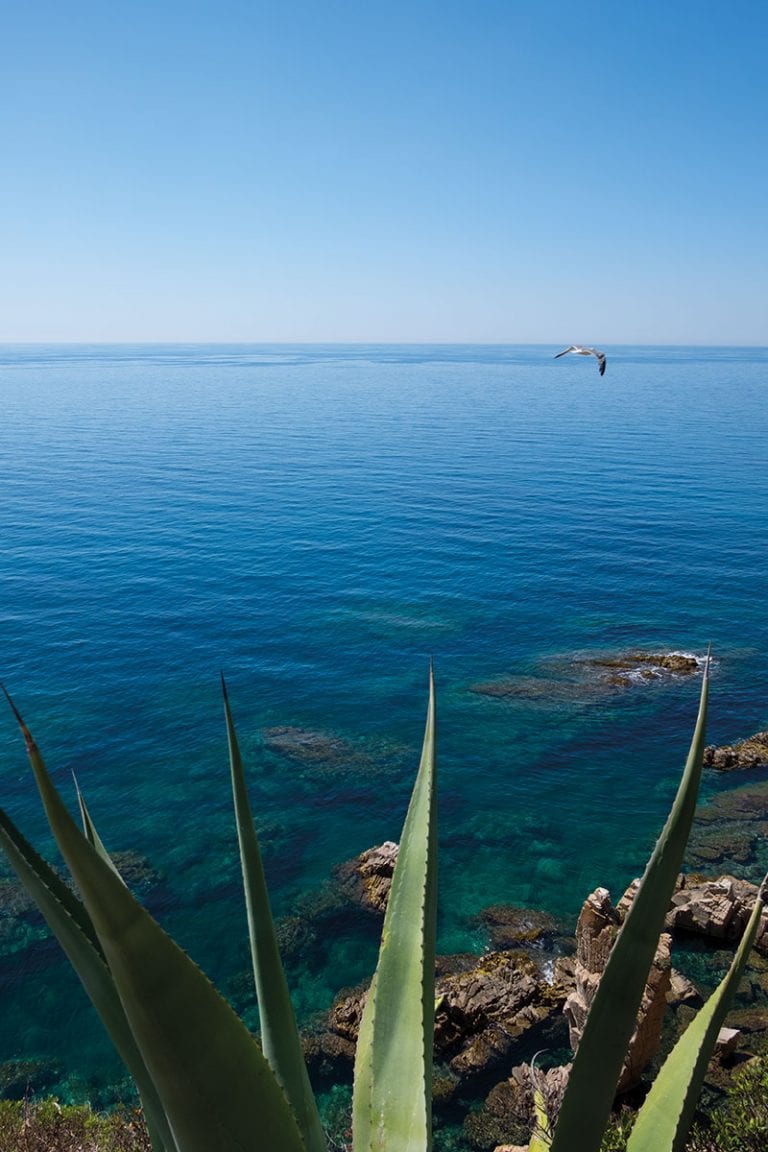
pixel 331 171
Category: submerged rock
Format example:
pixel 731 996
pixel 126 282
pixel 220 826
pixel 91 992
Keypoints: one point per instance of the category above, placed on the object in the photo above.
pixel 21 924
pixel 328 754
pixel 534 688
pixel 512 927
pixel 137 871
pixel 309 747
pixel 22 1078
pixel 731 830
pixel 749 753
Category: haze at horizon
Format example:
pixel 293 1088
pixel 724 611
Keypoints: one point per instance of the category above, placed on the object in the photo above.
pixel 503 173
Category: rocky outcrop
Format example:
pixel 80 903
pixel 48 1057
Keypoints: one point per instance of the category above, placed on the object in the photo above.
pixel 482 1013
pixel 367 879
pixel 329 1055
pixel 577 679
pixel 749 753
pixel 484 1006
pixel 596 931
pixel 718 909
pixel 626 666
pixel 682 990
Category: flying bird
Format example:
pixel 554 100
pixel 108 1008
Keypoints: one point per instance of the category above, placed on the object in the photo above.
pixel 580 351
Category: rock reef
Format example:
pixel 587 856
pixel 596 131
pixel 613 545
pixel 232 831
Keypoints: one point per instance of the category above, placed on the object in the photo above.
pixel 749 753
pixel 581 678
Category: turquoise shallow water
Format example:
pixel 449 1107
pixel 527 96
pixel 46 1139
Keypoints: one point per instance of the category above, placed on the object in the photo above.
pixel 318 522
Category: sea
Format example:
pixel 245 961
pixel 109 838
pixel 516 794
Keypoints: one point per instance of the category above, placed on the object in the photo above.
pixel 318 523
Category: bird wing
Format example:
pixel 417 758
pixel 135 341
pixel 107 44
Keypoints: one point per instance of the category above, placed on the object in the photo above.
pixel 600 360
pixel 570 348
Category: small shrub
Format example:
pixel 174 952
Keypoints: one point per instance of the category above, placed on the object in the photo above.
pixel 48 1126
pixel 740 1122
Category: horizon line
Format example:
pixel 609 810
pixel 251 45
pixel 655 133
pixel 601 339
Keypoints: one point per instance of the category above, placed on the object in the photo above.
pixel 369 343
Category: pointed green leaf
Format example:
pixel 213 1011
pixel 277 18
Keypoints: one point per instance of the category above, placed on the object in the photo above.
pixel 592 1083
pixel 392 1100
pixel 541 1137
pixel 217 1089
pixel 666 1115
pixel 279 1034
pixel 90 832
pixel 72 927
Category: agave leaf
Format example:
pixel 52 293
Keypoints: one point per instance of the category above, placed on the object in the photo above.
pixel 541 1137
pixel 279 1034
pixel 90 832
pixel 72 927
pixel 540 1141
pixel 392 1098
pixel 216 1087
pixel 663 1121
pixel 592 1083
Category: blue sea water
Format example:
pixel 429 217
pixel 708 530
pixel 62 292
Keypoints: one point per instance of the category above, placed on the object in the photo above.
pixel 319 522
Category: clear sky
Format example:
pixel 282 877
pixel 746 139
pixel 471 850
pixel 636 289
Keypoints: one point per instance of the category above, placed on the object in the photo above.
pixel 323 170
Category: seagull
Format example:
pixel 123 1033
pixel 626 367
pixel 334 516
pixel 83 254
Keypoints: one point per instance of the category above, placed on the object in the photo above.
pixel 580 351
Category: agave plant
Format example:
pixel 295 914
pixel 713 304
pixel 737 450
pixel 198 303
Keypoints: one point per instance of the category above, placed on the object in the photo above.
pixel 207 1085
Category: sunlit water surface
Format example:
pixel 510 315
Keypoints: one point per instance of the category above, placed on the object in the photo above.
pixel 318 522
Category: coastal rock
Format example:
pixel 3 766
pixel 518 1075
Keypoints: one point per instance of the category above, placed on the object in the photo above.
pixel 347 1012
pixel 625 667
pixel 718 909
pixel 482 1013
pixel 749 753
pixel 727 1042
pixel 578 679
pixel 596 931
pixel 484 1005
pixel 682 990
pixel 367 879
pixel 329 1055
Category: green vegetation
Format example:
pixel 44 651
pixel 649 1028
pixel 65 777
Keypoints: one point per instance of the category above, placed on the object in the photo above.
pixel 740 1122
pixel 205 1083
pixel 51 1127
